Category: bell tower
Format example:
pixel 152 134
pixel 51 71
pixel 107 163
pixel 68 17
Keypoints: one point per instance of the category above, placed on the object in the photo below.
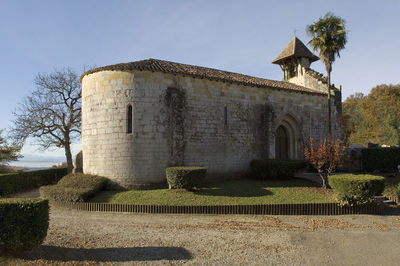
pixel 294 60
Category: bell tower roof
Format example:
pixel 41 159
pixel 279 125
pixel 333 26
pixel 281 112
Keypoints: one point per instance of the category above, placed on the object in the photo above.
pixel 295 49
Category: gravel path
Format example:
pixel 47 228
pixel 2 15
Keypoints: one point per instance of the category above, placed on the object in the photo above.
pixel 90 238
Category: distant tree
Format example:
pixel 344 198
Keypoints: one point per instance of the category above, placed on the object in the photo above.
pixel 325 156
pixel 8 152
pixel 355 129
pixel 373 118
pixel 382 111
pixel 52 113
pixel 329 36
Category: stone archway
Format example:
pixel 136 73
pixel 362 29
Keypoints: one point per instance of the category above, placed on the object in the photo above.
pixel 288 139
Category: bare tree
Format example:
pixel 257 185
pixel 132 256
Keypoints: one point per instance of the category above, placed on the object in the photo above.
pixel 52 113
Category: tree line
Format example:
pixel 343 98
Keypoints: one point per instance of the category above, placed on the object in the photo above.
pixel 374 117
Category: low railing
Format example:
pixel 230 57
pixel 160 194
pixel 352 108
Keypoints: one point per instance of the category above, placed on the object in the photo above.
pixel 266 209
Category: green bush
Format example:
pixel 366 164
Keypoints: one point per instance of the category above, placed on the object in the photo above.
pixel 11 183
pixel 185 176
pixel 275 168
pixel 384 160
pixel 74 188
pixel 357 189
pixel 23 223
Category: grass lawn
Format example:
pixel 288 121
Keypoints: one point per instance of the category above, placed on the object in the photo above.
pixel 232 192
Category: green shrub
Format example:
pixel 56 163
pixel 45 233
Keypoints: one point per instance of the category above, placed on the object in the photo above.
pixel 11 183
pixel 74 188
pixel 185 176
pixel 275 168
pixel 357 189
pixel 384 160
pixel 23 223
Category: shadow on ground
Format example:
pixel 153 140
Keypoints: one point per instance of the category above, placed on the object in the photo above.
pixel 63 254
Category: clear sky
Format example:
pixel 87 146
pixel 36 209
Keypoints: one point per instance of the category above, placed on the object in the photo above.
pixel 238 36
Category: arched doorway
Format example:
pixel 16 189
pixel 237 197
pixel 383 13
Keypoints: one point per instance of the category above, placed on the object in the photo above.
pixel 281 143
pixel 288 139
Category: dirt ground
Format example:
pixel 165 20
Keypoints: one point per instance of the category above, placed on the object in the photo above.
pixel 93 238
pixel 90 238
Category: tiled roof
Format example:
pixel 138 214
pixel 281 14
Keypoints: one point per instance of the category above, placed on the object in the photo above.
pixel 156 65
pixel 295 48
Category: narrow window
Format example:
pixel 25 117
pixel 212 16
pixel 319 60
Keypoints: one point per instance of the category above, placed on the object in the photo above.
pixel 225 115
pixel 129 120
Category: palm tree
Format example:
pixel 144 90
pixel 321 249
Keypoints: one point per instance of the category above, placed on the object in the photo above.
pixel 329 37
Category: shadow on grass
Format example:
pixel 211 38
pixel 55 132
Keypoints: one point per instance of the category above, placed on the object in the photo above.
pixel 251 187
pixel 104 196
pixel 290 182
pixel 231 188
pixel 63 254
pixel 234 191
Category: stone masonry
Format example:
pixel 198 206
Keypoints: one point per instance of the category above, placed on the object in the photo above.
pixel 185 120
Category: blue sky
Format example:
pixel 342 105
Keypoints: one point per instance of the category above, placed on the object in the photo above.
pixel 239 36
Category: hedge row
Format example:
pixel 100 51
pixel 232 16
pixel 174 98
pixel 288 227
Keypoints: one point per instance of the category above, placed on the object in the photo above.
pixel 357 189
pixel 382 159
pixel 74 188
pixel 11 183
pixel 185 176
pixel 275 168
pixel 23 223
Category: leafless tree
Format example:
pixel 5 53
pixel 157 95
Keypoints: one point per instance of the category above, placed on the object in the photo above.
pixel 52 113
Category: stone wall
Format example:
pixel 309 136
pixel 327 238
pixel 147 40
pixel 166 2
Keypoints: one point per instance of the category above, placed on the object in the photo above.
pixel 181 120
pixel 309 78
pixel 107 149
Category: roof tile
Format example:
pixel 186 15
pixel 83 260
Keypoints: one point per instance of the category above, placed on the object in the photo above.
pixel 295 48
pixel 201 72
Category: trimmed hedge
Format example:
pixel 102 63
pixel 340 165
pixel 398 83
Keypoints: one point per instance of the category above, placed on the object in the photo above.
pixel 185 176
pixel 357 189
pixel 23 223
pixel 11 183
pixel 275 168
pixel 382 159
pixel 74 188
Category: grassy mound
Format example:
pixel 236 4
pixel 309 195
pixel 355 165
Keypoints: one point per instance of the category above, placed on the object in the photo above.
pixel 74 188
pixel 228 192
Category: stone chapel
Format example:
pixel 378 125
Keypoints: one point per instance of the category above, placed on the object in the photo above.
pixel 139 118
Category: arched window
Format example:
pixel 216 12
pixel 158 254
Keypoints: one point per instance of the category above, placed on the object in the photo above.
pixel 129 120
